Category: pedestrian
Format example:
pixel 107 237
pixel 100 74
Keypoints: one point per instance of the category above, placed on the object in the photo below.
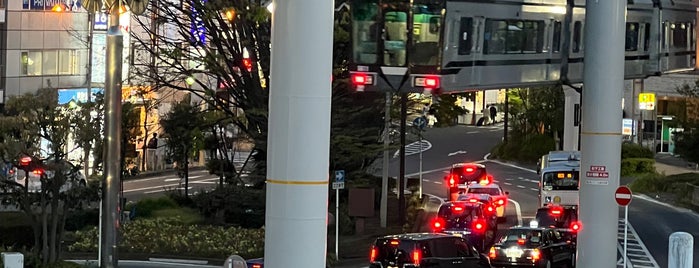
pixel 493 113
pixel 431 120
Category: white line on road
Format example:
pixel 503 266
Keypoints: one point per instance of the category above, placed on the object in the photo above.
pixel 507 183
pixel 513 166
pixel 533 189
pixel 518 210
pixel 520 186
pixel 457 152
pixel 471 132
pixel 437 170
pixel 437 182
pixel 163 190
pixel 173 179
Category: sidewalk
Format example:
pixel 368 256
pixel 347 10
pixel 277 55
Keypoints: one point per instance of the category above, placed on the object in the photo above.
pixel 670 165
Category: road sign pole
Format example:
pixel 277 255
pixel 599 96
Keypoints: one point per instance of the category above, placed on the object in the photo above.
pixel 626 231
pixel 337 224
pixel 420 172
pixel 383 210
pixel 601 132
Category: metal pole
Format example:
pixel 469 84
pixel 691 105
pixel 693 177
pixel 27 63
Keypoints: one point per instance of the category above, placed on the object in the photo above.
pixel 337 224
pixel 626 232
pixel 296 232
pixel 601 132
pixel 662 135
pixel 507 119
pixel 401 187
pixel 112 158
pixel 420 172
pixel 383 210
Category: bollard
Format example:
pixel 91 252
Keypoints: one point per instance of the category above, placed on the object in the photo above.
pixel 680 250
pixel 13 260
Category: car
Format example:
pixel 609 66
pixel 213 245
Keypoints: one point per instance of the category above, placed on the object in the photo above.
pixel 425 250
pixel 255 263
pixel 461 175
pixel 74 177
pixel 470 220
pixel 499 196
pixel 533 246
pixel 563 218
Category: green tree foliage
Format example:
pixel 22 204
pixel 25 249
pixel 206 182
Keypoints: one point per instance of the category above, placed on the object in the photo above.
pixel 447 111
pixel 130 131
pixel 687 141
pixel 183 133
pixel 89 135
pixel 53 191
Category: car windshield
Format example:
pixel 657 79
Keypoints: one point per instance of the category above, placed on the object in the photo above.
pixel 394 250
pixel 456 217
pixel 521 235
pixel 469 173
pixel 561 180
pixel 489 191
pixel 545 218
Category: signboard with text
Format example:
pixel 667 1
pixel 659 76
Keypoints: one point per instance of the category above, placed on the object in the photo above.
pixel 646 101
pixel 72 5
pixel 597 172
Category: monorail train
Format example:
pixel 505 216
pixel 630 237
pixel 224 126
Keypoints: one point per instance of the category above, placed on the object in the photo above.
pixel 463 45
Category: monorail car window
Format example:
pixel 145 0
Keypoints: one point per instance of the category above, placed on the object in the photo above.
pixel 465 36
pixel 679 35
pixel 427 29
pixel 365 31
pixel 577 36
pixel 631 36
pixel 556 42
pixel 665 38
pixel 511 37
pixel 646 37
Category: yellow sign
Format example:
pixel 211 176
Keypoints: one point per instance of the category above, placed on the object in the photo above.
pixel 646 101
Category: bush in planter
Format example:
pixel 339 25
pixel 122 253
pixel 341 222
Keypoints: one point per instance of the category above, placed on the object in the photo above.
pixel 637 166
pixel 632 150
pixel 145 207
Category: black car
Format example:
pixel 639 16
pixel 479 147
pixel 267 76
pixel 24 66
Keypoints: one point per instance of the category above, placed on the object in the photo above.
pixel 533 247
pixel 470 220
pixel 425 250
pixel 558 217
pixel 461 175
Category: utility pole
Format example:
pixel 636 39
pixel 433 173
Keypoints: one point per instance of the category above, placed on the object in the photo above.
pixel 601 132
pixel 401 182
pixel 383 210
pixel 112 152
pixel 299 134
pixel 507 119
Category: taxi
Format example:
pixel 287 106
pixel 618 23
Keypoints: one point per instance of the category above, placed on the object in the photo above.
pixel 533 246
pixel 469 220
pixel 498 196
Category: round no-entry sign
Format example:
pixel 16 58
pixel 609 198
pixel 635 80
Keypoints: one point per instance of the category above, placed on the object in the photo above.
pixel 623 196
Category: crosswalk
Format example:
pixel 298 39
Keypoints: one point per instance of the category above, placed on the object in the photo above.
pixel 637 254
pixel 414 148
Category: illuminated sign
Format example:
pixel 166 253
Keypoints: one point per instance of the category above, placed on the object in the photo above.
pixel 646 101
pixel 78 95
pixel 101 20
pixel 73 5
pixel 198 30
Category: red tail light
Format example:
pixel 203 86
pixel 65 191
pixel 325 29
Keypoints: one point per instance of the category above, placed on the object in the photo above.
pixel 247 63
pixel 501 202
pixel 490 209
pixel 438 225
pixel 521 241
pixel 417 256
pixel 472 200
pixel 556 211
pixel 576 226
pixel 452 180
pixel 479 226
pixel 38 172
pixel 372 255
pixel 457 209
pixel 24 161
pixel 492 253
pixel 256 265
pixel 431 82
pixel 359 79
pixel 536 254
pixel 469 169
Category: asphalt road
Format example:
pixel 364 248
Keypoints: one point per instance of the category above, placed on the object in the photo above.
pixel 137 189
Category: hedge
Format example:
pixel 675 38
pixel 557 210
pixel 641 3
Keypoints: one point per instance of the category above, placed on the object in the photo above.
pixel 632 150
pixel 171 237
pixel 631 166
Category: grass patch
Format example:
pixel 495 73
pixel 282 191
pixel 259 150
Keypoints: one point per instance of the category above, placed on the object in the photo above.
pixel 676 186
pixel 186 215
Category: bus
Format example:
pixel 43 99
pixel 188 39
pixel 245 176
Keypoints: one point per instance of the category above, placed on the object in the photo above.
pixel 559 178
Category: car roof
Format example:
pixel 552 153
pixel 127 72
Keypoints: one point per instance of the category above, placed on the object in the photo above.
pixel 478 165
pixel 489 185
pixel 416 236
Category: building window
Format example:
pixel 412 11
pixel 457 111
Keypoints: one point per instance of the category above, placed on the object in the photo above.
pixel 67 62
pixel 632 32
pixel 577 36
pixel 50 64
pixel 31 63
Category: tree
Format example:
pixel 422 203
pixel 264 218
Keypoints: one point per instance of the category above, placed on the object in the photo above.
pixel 89 135
pixel 687 141
pixel 184 136
pixel 32 118
pixel 130 131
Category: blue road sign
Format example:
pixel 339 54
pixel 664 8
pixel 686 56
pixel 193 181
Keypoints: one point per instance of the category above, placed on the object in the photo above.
pixel 420 122
pixel 339 175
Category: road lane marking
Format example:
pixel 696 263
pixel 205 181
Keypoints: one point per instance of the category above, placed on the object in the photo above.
pixel 512 165
pixel 439 169
pixel 161 186
pixel 520 186
pixel 161 177
pixel 163 190
pixel 471 132
pixel 640 257
pixel 437 182
pixel 507 183
pixel 518 210
pixel 174 179
pixel 457 152
pixel 533 189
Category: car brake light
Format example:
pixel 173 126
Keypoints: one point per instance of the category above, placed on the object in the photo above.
pixel 492 253
pixel 373 253
pixel 438 224
pixel 256 265
pixel 359 79
pixel 536 254
pixel 556 211
pixel 473 200
pixel 12 171
pixel 395 242
pixel 457 209
pixel 576 226
pixel 469 170
pixel 490 209
pixel 478 225
pixel 38 172
pixel 417 256
pixel 452 180
pixel 521 241
pixel 501 202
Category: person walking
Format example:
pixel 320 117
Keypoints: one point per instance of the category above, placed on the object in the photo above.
pixel 493 113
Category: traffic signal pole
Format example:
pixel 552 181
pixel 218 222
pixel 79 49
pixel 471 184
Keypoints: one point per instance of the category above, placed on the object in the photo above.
pixel 298 147
pixel 601 132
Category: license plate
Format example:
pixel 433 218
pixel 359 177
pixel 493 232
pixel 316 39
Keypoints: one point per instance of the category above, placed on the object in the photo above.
pixel 513 252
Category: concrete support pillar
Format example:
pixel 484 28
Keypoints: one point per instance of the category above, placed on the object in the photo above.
pixel 571 131
pixel 601 132
pixel 299 134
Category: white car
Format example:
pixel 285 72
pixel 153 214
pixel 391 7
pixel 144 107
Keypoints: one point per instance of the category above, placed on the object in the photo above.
pixel 498 196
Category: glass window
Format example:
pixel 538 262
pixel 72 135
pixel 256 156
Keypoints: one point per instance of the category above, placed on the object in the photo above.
pixel 444 247
pixel 561 180
pixel 514 36
pixel 396 36
pixel 556 42
pixel 577 36
pixel 31 63
pixel 465 36
pixel 664 35
pixel 679 35
pixel 427 31
pixel 67 62
pixel 483 190
pixel 646 37
pixel 631 36
pixel 50 63
pixel 463 249
pixel 365 31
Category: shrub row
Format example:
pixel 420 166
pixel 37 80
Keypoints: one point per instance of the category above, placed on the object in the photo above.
pixel 632 150
pixel 637 166
pixel 170 236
